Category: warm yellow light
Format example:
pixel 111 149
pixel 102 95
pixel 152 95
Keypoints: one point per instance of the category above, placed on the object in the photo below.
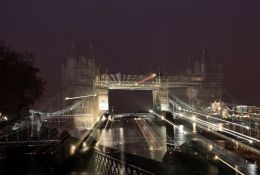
pixel 224 162
pixel 72 149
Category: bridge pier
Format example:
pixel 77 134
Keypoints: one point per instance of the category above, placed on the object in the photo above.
pixel 102 101
pixel 169 130
pixel 160 99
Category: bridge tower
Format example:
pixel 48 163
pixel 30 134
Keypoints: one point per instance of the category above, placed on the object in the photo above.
pixel 161 94
pixel 78 73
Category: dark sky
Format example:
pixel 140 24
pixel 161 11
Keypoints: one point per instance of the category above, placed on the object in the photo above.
pixel 149 34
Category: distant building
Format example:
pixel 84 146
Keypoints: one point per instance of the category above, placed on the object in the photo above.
pixel 208 73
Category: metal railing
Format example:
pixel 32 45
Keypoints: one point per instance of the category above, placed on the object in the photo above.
pixel 105 164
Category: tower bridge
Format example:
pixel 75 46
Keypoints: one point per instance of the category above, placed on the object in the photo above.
pixel 189 86
pixel 198 86
pixel 178 117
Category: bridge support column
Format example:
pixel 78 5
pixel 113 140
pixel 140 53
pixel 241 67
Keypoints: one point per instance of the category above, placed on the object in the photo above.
pixel 161 99
pixel 169 130
pixel 102 100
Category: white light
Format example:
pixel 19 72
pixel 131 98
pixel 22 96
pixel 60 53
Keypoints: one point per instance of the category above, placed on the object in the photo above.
pixel 247 127
pixel 250 141
pixel 150 110
pixel 84 145
pixel 179 108
pixel 72 149
pixel 210 147
pixel 224 162
pixel 220 126
pixel 79 97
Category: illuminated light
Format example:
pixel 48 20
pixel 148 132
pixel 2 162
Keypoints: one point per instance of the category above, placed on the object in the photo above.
pixel 193 117
pixel 151 111
pixel 179 108
pixel 216 157
pixel 204 125
pixel 208 116
pixel 162 117
pixel 220 127
pixel 136 84
pixel 247 127
pixel 151 76
pixel 210 147
pixel 194 130
pixel 84 145
pixel 250 141
pixel 224 162
pixel 79 97
pixel 72 149
pixel 164 106
pixel 214 126
pixel 103 102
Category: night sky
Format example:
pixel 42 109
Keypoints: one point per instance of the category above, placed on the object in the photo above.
pixel 140 36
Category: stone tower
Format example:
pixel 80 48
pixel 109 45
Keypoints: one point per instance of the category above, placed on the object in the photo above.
pixel 78 72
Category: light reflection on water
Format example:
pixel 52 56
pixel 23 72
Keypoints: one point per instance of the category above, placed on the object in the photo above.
pixel 194 129
pixel 179 135
pixel 157 154
pixel 252 169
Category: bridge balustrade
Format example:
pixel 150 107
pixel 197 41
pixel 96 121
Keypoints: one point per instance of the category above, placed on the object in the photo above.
pixel 105 164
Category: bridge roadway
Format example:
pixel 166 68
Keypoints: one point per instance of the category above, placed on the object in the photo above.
pixel 142 136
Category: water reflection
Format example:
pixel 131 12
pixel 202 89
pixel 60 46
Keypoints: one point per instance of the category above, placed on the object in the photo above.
pixel 252 168
pixel 194 129
pixel 179 135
